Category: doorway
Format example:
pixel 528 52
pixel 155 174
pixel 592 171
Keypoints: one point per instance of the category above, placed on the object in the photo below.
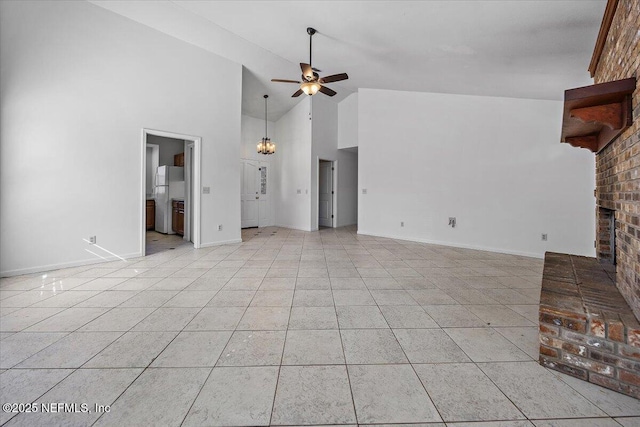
pixel 254 201
pixel 325 193
pixel 173 175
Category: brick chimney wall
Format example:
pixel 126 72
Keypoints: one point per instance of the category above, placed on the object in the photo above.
pixel 618 165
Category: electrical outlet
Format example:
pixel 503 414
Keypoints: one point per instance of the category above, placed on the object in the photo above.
pixel 452 221
pixel 364 191
pixel 92 240
pixel 401 223
pixel 206 190
pixel 544 237
pixel 219 227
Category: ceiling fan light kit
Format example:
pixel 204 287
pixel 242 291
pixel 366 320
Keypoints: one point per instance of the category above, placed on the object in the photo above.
pixel 310 88
pixel 311 82
pixel 266 146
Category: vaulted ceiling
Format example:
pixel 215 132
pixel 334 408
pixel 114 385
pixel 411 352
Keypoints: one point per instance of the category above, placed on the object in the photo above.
pixel 523 49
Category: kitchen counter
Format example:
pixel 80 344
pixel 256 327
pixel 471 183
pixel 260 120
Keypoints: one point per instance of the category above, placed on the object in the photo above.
pixel 177 200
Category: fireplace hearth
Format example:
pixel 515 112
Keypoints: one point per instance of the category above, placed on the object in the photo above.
pixel 587 329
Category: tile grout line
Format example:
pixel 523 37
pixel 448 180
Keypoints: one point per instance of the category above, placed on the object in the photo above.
pixel 411 364
pixel 344 355
pixel 159 354
pixel 284 346
pixel 223 347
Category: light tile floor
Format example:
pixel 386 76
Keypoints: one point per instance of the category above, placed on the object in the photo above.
pixel 291 328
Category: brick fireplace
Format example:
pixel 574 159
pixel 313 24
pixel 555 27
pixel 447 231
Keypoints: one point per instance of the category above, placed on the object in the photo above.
pixel 589 307
pixel 618 164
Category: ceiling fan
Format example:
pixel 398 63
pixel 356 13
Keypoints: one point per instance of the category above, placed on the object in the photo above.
pixel 311 82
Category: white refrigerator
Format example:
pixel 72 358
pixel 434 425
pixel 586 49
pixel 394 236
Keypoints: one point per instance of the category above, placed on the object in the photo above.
pixel 169 184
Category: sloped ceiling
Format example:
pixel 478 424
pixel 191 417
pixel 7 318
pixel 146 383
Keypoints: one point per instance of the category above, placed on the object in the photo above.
pixel 517 48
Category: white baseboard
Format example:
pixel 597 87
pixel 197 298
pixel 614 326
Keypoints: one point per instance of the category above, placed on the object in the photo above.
pixel 50 267
pixel 293 227
pixel 347 225
pixel 226 242
pixel 454 245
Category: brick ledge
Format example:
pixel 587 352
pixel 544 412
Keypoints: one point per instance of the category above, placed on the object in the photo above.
pixel 587 329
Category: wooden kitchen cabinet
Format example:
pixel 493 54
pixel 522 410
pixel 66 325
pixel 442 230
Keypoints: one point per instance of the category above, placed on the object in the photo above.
pixel 178 160
pixel 177 217
pixel 151 214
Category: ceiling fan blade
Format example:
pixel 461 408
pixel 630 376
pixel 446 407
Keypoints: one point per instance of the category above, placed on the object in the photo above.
pixel 327 91
pixel 334 78
pixel 297 93
pixel 284 81
pixel 316 70
pixel 307 71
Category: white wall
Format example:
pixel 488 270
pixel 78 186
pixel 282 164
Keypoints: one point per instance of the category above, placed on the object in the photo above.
pixel 325 130
pixel 496 164
pixel 292 171
pixel 301 144
pixel 348 122
pixel 252 132
pixel 78 83
pixel 324 145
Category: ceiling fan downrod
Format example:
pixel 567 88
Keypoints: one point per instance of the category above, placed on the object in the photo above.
pixel 311 32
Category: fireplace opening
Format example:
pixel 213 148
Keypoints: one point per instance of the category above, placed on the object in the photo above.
pixel 606 241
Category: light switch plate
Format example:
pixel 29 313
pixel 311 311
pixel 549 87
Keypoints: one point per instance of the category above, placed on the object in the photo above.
pixel 206 190
pixel 299 191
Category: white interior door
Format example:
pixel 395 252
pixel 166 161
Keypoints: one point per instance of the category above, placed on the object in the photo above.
pixel 250 197
pixel 325 195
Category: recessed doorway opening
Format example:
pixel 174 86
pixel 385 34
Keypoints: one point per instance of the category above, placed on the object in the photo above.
pixel 326 193
pixel 170 193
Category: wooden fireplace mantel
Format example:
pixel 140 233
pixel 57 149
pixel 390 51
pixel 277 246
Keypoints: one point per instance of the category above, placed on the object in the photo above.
pixel 595 115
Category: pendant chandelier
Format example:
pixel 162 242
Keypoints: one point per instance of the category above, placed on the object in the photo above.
pixel 266 146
